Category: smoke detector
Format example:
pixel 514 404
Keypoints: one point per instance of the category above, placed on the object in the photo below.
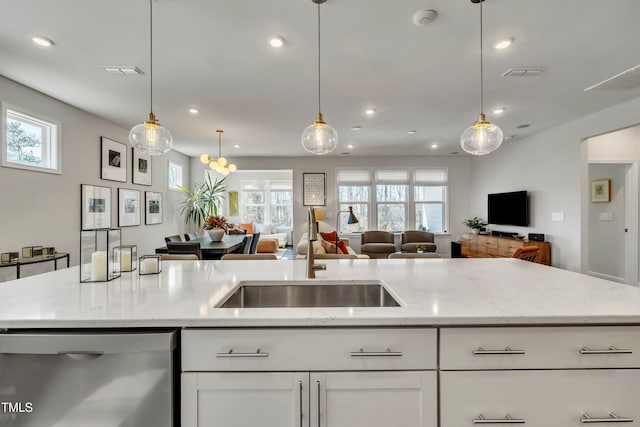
pixel 424 16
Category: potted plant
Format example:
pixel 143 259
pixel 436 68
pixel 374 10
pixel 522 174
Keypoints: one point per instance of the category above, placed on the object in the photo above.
pixel 475 224
pixel 202 202
pixel 421 248
pixel 216 226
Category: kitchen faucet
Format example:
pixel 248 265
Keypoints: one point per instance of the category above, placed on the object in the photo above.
pixel 313 236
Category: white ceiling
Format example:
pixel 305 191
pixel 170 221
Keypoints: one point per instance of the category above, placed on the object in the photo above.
pixel 214 55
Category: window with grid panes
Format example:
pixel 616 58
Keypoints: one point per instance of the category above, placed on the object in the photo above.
pixel 429 199
pixel 354 189
pixel 391 199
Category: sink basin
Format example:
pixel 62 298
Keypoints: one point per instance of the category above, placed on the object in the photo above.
pixel 310 293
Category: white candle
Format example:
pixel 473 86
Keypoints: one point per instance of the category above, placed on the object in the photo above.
pixel 99 266
pixel 149 265
pixel 125 260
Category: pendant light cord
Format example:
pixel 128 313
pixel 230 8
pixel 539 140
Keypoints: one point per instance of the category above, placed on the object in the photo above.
pixel 481 65
pixel 319 111
pixel 151 55
pixel 219 144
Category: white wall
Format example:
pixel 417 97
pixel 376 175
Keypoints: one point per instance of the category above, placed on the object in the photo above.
pixel 459 183
pixel 552 166
pixel 44 209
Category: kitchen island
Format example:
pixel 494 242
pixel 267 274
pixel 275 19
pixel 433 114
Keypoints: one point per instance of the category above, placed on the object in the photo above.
pixel 474 341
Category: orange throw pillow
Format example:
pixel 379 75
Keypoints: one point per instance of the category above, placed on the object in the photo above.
pixel 332 237
pixel 246 226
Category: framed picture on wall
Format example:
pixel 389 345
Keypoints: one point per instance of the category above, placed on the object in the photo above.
pixel 128 207
pixel 153 207
pixel 95 207
pixel 313 189
pixel 113 160
pixel 141 168
pixel 601 190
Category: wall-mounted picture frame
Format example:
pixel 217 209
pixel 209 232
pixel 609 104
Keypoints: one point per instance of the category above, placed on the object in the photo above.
pixel 141 168
pixel 153 207
pixel 95 202
pixel 113 160
pixel 601 190
pixel 313 189
pixel 128 207
pixel 233 203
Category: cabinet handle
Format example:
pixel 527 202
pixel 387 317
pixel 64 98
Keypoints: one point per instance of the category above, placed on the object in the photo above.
pixel 506 420
pixel 318 387
pixel 612 418
pixel 230 353
pixel 300 400
pixel 386 353
pixel 482 352
pixel 610 350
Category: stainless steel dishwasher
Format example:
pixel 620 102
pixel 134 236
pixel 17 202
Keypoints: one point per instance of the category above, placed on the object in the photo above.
pixel 94 379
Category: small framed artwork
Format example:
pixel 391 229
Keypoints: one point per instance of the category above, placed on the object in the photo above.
pixel 128 207
pixel 233 203
pixel 601 190
pixel 141 168
pixel 313 189
pixel 113 159
pixel 153 207
pixel 96 207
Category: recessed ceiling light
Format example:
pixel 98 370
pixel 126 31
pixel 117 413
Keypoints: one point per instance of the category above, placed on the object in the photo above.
pixel 434 146
pixel 236 146
pixel 412 132
pixel 370 111
pixel 503 44
pixel 42 41
pixel 350 146
pixel 276 41
pixel 194 110
pixel 356 128
pixel 499 110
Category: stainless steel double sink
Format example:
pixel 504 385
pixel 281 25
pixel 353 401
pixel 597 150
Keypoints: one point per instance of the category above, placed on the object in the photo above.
pixel 310 293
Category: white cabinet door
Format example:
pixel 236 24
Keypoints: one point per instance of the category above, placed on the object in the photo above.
pixel 539 398
pixel 279 399
pixel 373 399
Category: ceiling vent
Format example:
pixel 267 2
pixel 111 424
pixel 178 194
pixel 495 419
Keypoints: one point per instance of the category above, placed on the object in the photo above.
pixel 523 72
pixel 626 80
pixel 122 71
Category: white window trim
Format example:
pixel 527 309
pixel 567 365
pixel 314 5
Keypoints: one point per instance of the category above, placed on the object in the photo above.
pixel 266 187
pixel 3 138
pixel 169 187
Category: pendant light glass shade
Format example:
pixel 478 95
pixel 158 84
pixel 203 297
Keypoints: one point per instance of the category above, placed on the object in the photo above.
pixel 482 137
pixel 149 137
pixel 220 165
pixel 319 138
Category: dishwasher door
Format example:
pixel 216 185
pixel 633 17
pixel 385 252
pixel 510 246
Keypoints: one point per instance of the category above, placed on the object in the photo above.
pixel 75 379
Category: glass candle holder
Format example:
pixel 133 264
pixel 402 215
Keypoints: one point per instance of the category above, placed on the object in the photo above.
pixel 126 256
pixel 97 260
pixel 150 264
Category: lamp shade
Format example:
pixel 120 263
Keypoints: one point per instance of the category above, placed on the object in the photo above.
pixel 319 138
pixel 352 218
pixel 481 138
pixel 151 138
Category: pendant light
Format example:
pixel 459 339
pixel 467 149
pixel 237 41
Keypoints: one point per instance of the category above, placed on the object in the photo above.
pixel 220 164
pixel 319 138
pixel 149 137
pixel 482 137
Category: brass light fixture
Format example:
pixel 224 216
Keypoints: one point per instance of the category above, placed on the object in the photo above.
pixel 220 164
pixel 319 138
pixel 149 137
pixel 482 137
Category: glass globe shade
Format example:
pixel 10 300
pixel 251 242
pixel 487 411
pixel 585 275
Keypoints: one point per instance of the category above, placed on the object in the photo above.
pixel 232 168
pixel 222 161
pixel 225 171
pixel 214 165
pixel 205 158
pixel 319 138
pixel 481 138
pixel 151 138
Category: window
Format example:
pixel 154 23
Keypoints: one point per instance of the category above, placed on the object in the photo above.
pixel 174 172
pixel 394 200
pixel 267 202
pixel 30 142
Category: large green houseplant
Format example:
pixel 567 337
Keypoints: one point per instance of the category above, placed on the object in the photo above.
pixel 203 201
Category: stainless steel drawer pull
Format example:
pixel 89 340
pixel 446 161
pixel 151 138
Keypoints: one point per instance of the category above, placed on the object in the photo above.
pixel 506 420
pixel 612 418
pixel 387 353
pixel 482 352
pixel 610 350
pixel 300 401
pixel 230 353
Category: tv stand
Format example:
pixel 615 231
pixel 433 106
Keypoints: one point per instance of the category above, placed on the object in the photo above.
pixel 508 234
pixel 482 246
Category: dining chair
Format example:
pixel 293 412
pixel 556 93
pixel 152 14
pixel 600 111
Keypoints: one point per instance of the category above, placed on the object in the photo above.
pixel 179 257
pixel 174 238
pixel 237 257
pixel 254 243
pixel 527 253
pixel 190 236
pixel 181 248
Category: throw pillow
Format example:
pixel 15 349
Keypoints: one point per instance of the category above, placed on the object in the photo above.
pixel 331 238
pixel 247 226
pixel 330 248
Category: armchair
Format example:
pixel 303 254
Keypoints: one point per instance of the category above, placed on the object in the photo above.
pixel 377 243
pixel 411 239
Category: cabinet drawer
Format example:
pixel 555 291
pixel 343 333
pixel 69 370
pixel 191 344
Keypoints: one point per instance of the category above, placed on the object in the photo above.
pixel 539 398
pixel 540 347
pixel 308 349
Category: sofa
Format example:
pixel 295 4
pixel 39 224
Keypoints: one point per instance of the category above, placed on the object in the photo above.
pixel 320 247
pixel 268 231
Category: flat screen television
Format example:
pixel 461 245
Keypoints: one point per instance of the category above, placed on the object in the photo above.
pixel 509 208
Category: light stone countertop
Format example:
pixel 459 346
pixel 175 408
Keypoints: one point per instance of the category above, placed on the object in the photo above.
pixel 435 292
